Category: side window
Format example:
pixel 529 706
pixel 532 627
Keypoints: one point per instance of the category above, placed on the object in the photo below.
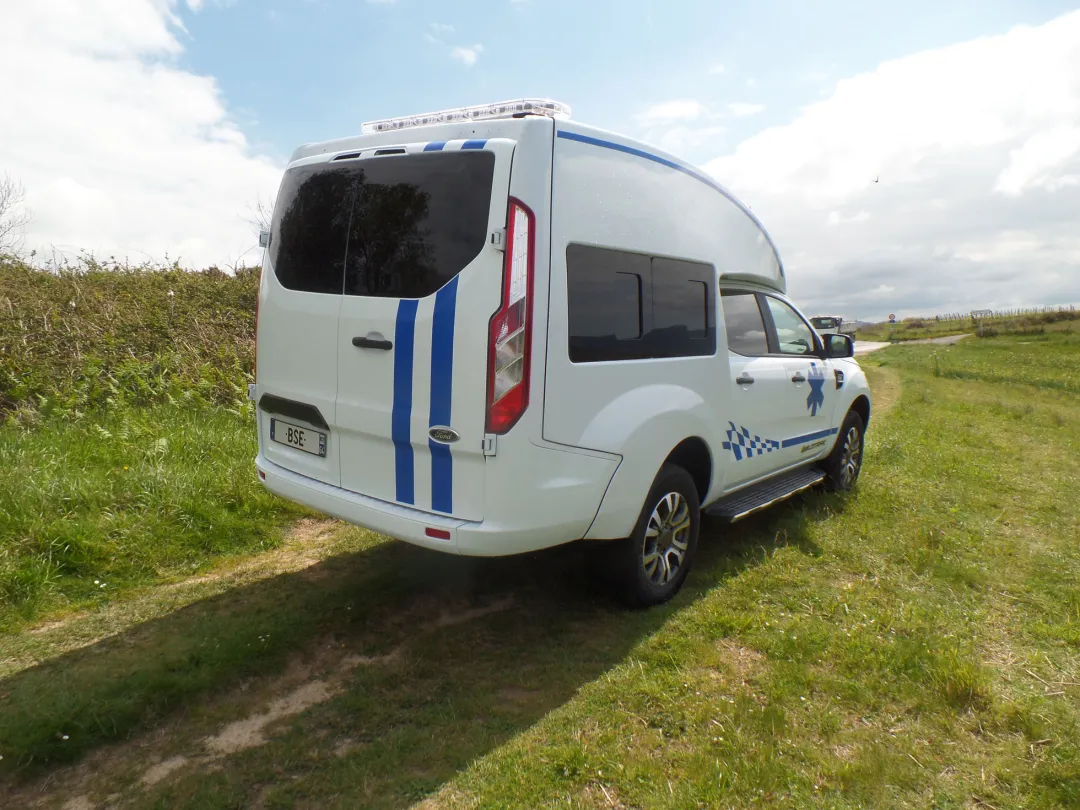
pixel 683 322
pixel 606 291
pixel 628 306
pixel 743 323
pixel 793 336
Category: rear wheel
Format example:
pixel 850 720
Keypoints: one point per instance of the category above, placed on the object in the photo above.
pixel 843 465
pixel 650 566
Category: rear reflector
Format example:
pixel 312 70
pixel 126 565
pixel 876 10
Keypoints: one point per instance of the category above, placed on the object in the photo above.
pixel 262 475
pixel 437 534
pixel 510 331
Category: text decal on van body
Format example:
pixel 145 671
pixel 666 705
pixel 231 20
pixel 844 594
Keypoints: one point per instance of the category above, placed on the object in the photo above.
pixel 442 385
pixel 401 415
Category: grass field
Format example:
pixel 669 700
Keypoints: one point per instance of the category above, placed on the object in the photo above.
pixel 913 644
pixel 92 508
pixel 999 325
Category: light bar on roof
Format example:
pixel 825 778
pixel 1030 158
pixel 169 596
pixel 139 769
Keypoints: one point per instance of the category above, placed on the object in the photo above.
pixel 501 109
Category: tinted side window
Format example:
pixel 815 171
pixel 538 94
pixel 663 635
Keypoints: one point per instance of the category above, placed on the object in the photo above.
pixel 607 293
pixel 743 323
pixel 628 306
pixel 683 322
pixel 311 220
pixel 792 334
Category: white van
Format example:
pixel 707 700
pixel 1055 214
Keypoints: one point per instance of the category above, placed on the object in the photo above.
pixel 493 330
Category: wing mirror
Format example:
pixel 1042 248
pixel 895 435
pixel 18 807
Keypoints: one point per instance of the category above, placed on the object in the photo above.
pixel 264 239
pixel 839 346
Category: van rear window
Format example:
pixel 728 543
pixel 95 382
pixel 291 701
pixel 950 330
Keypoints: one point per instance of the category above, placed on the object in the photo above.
pixel 397 227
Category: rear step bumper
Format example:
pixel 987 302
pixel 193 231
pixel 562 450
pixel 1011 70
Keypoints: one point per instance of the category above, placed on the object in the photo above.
pixel 379 516
pixel 488 538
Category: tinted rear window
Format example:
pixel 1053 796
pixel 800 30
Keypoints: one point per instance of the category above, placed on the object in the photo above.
pixel 397 227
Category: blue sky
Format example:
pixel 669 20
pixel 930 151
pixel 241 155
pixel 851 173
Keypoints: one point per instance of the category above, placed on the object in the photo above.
pixel 147 130
pixel 297 71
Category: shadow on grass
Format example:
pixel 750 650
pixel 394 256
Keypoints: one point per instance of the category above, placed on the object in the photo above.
pixel 465 680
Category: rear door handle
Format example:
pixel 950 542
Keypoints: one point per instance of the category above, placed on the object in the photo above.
pixel 798 378
pixel 744 379
pixel 372 343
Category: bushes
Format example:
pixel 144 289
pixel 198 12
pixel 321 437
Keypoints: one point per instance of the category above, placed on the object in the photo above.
pixel 93 336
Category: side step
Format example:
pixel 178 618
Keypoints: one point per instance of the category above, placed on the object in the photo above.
pixel 752 499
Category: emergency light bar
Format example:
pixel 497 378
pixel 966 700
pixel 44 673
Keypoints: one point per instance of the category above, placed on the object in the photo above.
pixel 501 109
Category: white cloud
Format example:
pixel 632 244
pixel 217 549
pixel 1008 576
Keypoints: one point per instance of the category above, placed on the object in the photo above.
pixel 976 148
pixel 1036 163
pixel 717 70
pixel 667 112
pixel 741 109
pixel 838 218
pixel 122 152
pixel 467 56
pixel 439 29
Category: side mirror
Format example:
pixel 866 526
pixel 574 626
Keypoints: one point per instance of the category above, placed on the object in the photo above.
pixel 839 346
pixel 264 239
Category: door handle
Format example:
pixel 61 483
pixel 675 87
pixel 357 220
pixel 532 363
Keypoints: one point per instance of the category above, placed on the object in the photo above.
pixel 372 343
pixel 744 379
pixel 798 378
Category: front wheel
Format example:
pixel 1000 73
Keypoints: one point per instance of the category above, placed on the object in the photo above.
pixel 650 566
pixel 843 465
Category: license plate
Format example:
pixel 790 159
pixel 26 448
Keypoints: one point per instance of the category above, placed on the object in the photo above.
pixel 301 438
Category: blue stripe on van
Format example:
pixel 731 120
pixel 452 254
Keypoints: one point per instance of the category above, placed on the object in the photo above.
pixel 434 146
pixel 474 144
pixel 401 414
pixel 442 384
pixel 671 164
pixel 809 437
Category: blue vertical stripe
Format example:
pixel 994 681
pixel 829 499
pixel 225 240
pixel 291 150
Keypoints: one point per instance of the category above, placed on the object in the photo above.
pixel 401 415
pixel 434 146
pixel 442 384
pixel 477 144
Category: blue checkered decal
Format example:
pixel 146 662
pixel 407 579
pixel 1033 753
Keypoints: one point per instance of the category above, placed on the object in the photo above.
pixel 743 445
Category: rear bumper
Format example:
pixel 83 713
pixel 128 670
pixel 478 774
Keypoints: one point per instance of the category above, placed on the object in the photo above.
pixel 547 513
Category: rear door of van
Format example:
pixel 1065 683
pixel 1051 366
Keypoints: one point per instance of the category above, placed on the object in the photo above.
pixel 296 344
pixel 422 279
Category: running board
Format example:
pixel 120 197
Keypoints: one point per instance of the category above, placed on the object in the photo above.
pixel 753 499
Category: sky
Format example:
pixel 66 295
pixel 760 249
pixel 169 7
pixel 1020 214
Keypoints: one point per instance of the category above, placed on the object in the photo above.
pixel 912 157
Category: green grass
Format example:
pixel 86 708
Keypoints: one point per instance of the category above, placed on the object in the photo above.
pixel 95 507
pixel 913 644
pixel 91 336
pixel 1016 324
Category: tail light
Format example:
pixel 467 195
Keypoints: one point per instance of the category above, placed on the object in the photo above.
pixel 510 332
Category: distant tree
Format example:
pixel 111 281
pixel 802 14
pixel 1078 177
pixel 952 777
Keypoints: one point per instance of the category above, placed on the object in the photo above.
pixel 261 215
pixel 13 217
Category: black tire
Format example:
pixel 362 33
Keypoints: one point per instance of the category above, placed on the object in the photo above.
pixel 641 573
pixel 844 463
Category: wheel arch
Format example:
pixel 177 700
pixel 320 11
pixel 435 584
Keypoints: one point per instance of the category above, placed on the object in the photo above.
pixel 663 437
pixel 692 454
pixel 861 406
